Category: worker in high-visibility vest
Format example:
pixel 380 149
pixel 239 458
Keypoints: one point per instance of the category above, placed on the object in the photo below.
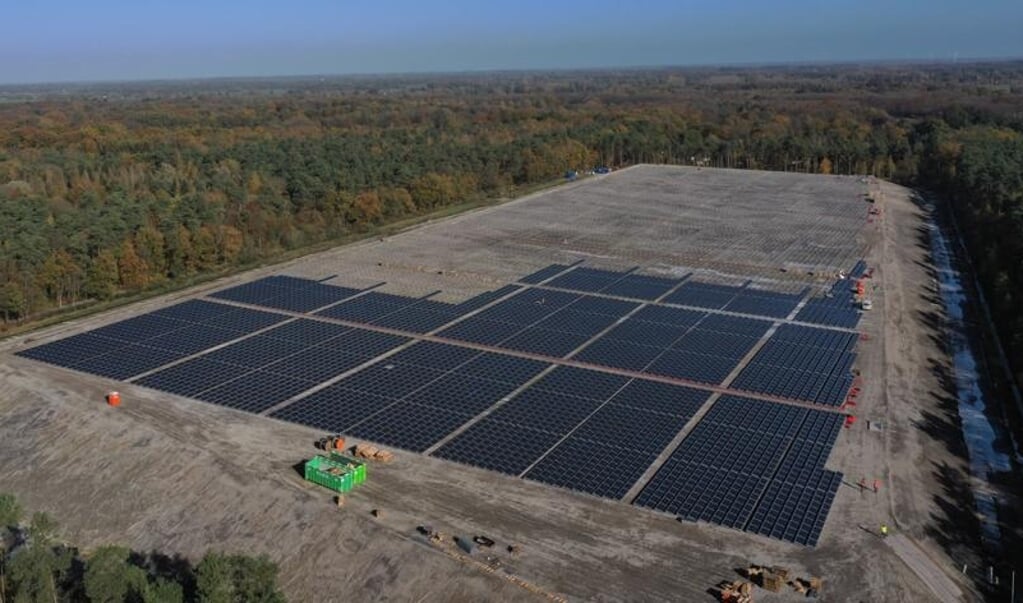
pixel 884 530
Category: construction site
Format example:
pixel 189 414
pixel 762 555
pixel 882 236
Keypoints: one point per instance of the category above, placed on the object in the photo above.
pixel 662 383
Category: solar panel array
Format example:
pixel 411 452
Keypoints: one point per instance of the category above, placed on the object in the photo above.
pixel 585 430
pixel 136 345
pixel 673 342
pixel 752 465
pixel 264 370
pixel 415 397
pixel 837 307
pixel 748 464
pixel 802 363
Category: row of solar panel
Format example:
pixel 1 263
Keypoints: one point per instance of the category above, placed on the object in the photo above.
pixel 143 343
pixel 752 465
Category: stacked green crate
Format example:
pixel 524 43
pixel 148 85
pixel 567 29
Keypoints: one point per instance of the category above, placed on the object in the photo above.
pixel 339 474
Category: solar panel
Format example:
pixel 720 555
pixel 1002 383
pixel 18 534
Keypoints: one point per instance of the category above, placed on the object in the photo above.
pixel 630 429
pixel 332 409
pixel 701 493
pixel 315 365
pixel 637 286
pixel 498 446
pixel 126 362
pixel 461 393
pixel 659 335
pixel 582 383
pixel 793 513
pixel 251 293
pixel 195 310
pixel 757 415
pixel 306 331
pixel 308 299
pixel 192 376
pixel 254 392
pixel 478 330
pixel 365 309
pixel 409 426
pixel 554 344
pixel 695 367
pixel 415 320
pixel 139 328
pixel 750 327
pixel 67 351
pixel 579 323
pixel 545 411
pixel 516 312
pixel 613 353
pixel 614 308
pixel 590 467
pixel 545 297
pixel 499 367
pixel 439 356
pixel 255 351
pixel 362 342
pixel 704 295
pixel 661 397
pixel 543 274
pixel 586 279
pixel 718 343
pixel 192 339
pixel 671 316
pixel 477 302
pixel 391 379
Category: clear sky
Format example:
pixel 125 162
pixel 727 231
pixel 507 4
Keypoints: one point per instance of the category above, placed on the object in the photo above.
pixel 69 40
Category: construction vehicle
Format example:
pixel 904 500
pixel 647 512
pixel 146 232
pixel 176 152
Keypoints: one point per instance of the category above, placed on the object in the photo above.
pixel 331 443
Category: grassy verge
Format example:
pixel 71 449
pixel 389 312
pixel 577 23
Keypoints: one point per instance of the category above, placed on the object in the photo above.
pixel 82 310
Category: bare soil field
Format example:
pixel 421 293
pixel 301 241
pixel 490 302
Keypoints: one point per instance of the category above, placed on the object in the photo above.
pixel 180 476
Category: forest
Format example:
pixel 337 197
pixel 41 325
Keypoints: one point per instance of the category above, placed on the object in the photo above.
pixel 108 190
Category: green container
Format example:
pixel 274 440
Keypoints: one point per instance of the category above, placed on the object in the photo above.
pixel 337 476
pixel 358 467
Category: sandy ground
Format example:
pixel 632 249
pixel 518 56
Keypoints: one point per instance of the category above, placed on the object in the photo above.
pixel 176 475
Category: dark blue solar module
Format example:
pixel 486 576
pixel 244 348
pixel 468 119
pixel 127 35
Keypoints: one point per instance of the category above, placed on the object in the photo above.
pixel 583 383
pixel 367 308
pixel 572 321
pixel 554 344
pixel 757 415
pixel 307 331
pixel 67 351
pixel 703 341
pixel 638 286
pixel 499 367
pixel 747 451
pixel 703 295
pixel 192 376
pixel 590 280
pixel 695 367
pixel 308 299
pixel 522 314
pixel 195 310
pixel 246 321
pixel 735 324
pixel 614 353
pixel 392 379
pixel 545 298
pixel 483 299
pixel 415 320
pixel 365 343
pixel 762 306
pixel 793 384
pixel 701 493
pixel 139 328
pixel 255 351
pixel 254 392
pixel 545 411
pixel 126 362
pixel 462 393
pixel 479 330
pixel 816 337
pixel 252 292
pixel 660 397
pixel 794 513
pixel 316 364
pixel 671 316
pixel 192 339
pixel 591 467
pixel 632 430
pixel 825 314
pixel 333 408
pixel 435 355
pixel 614 308
pixel 543 274
pixel 408 426
pixel 498 446
pixel 659 335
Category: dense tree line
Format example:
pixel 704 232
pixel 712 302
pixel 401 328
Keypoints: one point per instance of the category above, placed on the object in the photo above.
pixel 107 190
pixel 36 568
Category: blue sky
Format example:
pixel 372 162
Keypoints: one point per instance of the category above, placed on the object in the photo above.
pixel 70 40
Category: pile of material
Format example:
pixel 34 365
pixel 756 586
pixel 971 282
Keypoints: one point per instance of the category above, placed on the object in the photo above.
pixel 736 592
pixel 368 451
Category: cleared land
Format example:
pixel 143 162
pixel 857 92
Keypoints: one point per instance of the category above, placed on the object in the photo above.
pixel 174 474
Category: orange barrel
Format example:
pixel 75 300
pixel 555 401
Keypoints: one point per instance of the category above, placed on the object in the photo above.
pixel 114 399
